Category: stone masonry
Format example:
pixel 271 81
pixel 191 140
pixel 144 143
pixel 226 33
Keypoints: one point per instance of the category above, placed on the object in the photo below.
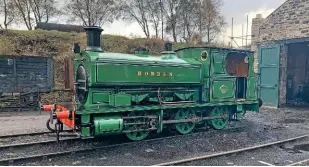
pixel 290 20
pixel 283 74
pixel 256 23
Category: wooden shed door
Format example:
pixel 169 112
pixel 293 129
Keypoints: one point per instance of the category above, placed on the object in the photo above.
pixel 269 69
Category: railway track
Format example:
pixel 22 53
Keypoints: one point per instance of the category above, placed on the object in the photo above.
pixel 28 139
pixel 19 145
pixel 24 134
pixel 38 138
pixel 19 160
pixel 299 163
pixel 28 134
pixel 220 154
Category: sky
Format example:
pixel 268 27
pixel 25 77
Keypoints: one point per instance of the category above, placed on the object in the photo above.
pixel 238 9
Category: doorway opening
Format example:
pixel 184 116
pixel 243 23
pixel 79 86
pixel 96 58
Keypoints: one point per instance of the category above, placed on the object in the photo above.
pixel 297 83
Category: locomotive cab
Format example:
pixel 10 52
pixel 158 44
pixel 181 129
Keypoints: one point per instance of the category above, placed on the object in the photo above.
pixel 237 65
pixel 228 73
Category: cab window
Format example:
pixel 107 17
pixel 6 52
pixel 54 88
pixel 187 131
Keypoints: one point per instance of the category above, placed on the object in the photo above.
pixel 237 64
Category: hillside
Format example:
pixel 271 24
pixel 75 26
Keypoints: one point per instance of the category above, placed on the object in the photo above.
pixel 59 44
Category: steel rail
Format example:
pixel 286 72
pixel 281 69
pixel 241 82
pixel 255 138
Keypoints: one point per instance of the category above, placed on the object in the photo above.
pixel 24 134
pixel 37 143
pixel 298 163
pixel 29 134
pixel 11 161
pixel 230 152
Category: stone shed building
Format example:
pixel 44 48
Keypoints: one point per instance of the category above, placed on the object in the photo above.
pixel 281 42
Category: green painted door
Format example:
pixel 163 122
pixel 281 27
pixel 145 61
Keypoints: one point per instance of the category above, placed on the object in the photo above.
pixel 269 69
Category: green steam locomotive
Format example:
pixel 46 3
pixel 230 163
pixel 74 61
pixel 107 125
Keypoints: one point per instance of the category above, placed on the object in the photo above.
pixel 139 94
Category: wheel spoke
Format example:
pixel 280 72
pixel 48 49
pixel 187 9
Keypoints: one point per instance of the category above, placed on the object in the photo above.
pixel 187 113
pixel 219 123
pixel 180 114
pixel 185 128
pixel 134 134
pixel 140 135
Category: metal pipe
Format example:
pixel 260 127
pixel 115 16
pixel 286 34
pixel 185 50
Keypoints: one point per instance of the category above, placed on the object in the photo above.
pixel 194 120
pixel 137 117
pixel 232 36
pixel 247 31
pixel 242 33
pixel 141 130
pixel 180 102
pixel 138 123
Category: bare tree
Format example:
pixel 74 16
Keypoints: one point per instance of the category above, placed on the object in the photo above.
pixel 137 10
pixel 24 12
pixel 91 12
pixel 147 13
pixel 154 9
pixel 187 17
pixel 180 15
pixel 7 8
pixel 210 22
pixel 31 12
pixel 162 18
pixel 43 10
pixel 171 8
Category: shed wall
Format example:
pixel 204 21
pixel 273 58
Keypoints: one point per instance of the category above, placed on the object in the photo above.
pixel 290 20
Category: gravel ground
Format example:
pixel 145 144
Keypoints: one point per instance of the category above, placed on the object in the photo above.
pixel 156 152
pixel 38 149
pixel 275 155
pixel 268 125
pixel 152 153
pixel 280 122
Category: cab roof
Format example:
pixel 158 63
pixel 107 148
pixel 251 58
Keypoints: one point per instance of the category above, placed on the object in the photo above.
pixel 226 49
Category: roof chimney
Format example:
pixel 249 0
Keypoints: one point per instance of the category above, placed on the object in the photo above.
pixel 94 38
pixel 259 16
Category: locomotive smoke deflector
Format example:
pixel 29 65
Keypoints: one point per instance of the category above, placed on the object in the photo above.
pixel 94 38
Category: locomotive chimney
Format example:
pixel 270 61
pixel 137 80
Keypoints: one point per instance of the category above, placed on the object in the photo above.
pixel 168 47
pixel 94 38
